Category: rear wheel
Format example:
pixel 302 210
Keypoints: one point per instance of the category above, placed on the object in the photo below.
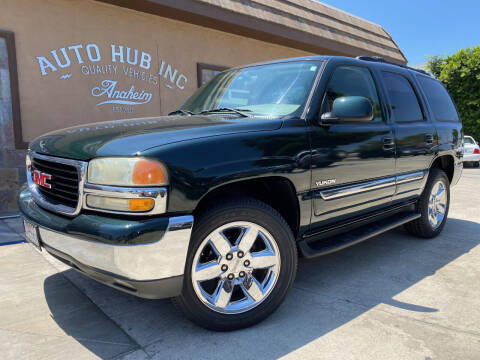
pixel 241 265
pixel 433 206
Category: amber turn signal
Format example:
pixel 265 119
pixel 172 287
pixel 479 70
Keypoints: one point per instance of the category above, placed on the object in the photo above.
pixel 141 204
pixel 147 172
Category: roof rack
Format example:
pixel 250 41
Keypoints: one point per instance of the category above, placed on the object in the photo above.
pixel 382 60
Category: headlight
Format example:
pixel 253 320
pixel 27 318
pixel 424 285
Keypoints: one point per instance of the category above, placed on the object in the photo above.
pixel 126 172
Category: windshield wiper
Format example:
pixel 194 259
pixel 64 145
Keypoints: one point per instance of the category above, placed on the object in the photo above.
pixel 238 111
pixel 183 112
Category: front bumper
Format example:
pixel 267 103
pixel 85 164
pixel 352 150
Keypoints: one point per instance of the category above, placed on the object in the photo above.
pixel 144 257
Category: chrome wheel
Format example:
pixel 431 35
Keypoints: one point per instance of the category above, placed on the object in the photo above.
pixel 437 204
pixel 236 267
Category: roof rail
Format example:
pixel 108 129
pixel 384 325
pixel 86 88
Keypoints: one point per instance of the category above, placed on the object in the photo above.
pixel 382 60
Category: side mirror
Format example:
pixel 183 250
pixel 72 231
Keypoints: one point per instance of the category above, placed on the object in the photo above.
pixel 349 109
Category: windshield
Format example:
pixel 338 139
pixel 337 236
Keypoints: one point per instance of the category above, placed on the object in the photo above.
pixel 272 89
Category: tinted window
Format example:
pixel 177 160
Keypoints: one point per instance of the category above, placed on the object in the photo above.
pixel 352 81
pixel 438 98
pixel 405 104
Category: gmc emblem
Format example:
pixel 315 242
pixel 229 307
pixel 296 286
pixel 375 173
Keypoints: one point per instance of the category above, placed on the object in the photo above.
pixel 41 178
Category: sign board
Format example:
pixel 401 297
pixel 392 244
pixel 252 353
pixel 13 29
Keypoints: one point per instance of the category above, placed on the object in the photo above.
pixel 126 78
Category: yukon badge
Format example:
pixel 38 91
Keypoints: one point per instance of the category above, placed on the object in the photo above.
pixel 326 182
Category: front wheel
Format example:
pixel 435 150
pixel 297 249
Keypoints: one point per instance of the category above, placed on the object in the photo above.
pixel 433 206
pixel 241 264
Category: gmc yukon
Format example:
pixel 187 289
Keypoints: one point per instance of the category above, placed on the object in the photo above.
pixel 213 204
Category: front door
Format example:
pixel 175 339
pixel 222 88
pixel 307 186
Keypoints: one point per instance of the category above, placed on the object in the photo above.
pixel 353 165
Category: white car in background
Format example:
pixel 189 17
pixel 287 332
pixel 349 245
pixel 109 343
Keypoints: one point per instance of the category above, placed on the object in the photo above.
pixel 471 151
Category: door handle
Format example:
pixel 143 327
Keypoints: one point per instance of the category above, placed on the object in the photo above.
pixel 388 143
pixel 429 139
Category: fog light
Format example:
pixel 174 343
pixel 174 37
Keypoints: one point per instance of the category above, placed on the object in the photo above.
pixel 120 204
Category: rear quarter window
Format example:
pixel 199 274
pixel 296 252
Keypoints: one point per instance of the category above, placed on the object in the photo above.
pixel 439 99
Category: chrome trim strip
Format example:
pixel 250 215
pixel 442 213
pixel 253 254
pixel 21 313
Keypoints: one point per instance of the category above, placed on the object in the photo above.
pixel 343 191
pixel 162 259
pixel 408 177
pixel 81 167
pixel 349 190
pixel 159 194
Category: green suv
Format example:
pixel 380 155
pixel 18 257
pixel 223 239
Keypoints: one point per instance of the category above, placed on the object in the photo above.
pixel 213 204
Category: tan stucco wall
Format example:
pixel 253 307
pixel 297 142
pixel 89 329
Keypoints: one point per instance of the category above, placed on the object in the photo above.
pixel 51 102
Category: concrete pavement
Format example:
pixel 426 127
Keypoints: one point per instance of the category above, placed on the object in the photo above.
pixel 11 231
pixel 393 297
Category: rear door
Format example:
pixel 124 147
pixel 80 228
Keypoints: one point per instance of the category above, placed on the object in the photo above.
pixel 414 130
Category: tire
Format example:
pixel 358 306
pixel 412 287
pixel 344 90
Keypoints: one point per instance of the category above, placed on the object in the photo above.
pixel 429 226
pixel 476 164
pixel 223 304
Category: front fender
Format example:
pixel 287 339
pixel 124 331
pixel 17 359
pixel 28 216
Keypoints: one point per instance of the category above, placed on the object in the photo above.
pixel 198 166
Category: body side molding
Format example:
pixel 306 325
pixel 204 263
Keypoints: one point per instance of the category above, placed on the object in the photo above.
pixel 348 190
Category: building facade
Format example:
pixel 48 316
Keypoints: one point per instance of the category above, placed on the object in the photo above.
pixel 70 62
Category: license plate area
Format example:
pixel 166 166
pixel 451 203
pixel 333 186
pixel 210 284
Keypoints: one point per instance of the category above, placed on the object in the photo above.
pixel 31 234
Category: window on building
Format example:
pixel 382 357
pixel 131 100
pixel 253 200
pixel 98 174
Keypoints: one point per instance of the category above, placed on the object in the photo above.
pixel 404 101
pixel 12 159
pixel 439 99
pixel 5 96
pixel 352 81
pixel 206 72
pixel 9 99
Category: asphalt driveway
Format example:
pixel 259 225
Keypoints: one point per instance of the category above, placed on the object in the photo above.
pixel 391 297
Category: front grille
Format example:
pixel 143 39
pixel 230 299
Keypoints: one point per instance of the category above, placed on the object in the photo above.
pixel 64 182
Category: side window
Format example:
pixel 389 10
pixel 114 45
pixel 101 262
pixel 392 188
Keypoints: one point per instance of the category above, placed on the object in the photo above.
pixel 352 81
pixel 439 99
pixel 405 104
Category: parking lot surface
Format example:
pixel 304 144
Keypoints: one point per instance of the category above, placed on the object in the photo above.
pixel 391 297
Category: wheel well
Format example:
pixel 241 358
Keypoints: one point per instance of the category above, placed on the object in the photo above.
pixel 277 192
pixel 445 163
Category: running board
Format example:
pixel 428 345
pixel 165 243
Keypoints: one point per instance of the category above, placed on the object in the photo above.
pixel 314 248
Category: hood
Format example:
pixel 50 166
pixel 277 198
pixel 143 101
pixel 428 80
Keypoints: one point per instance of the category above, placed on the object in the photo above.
pixel 131 136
